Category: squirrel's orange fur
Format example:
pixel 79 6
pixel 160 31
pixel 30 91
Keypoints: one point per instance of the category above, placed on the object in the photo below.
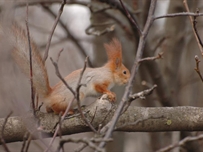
pixel 96 80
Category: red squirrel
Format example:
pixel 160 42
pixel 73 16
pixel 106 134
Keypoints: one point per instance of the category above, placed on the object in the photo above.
pixel 96 81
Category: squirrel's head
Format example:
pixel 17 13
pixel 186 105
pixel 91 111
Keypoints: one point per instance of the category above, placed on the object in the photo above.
pixel 114 52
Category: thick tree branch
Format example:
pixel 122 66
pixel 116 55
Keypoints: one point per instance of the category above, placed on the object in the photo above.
pixel 135 119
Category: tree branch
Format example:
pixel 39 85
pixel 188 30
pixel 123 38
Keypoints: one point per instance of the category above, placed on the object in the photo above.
pixel 134 71
pixel 150 120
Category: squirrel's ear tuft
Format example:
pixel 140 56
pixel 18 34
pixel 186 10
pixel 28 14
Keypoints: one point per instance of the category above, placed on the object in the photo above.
pixel 114 52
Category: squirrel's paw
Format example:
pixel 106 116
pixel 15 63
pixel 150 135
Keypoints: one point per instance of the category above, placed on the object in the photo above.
pixel 111 96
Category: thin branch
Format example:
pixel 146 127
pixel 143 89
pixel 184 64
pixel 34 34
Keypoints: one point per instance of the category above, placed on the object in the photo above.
pixel 69 35
pixel 28 142
pixel 89 30
pixel 142 94
pixel 178 15
pixel 193 23
pixel 182 118
pixel 81 147
pixel 130 18
pixel 196 32
pixel 57 59
pixel 89 142
pixel 2 133
pixel 102 10
pixel 53 29
pixel 197 67
pixel 49 2
pixel 31 69
pixel 77 96
pixel 135 67
pixel 181 143
pixel 24 141
pixel 60 77
pixel 160 42
pixel 68 107
pixel 159 56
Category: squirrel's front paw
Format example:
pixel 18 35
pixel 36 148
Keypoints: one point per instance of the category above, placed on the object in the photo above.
pixel 111 96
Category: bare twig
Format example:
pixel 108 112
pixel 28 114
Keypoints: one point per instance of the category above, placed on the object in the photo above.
pixel 53 29
pixel 194 27
pixel 2 133
pixel 69 34
pixel 90 142
pixel 99 10
pixel 90 31
pixel 57 59
pixel 28 142
pixel 178 15
pixel 77 96
pixel 135 67
pixel 81 147
pixel 68 107
pixel 142 94
pixel 159 56
pixel 197 67
pixel 160 42
pixel 24 141
pixel 94 115
pixel 60 123
pixel 130 18
pixel 30 59
pixel 181 143
pixel 196 32
pixel 49 2
pixel 60 77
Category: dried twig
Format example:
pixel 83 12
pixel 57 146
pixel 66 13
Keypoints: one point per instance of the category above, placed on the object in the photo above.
pixel 90 31
pixel 28 142
pixel 142 94
pixel 159 56
pixel 68 107
pixel 181 143
pixel 60 76
pixel 193 23
pixel 57 59
pixel 30 59
pixel 178 15
pixel 53 29
pixel 90 142
pixel 69 34
pixel 2 133
pixel 160 42
pixel 98 10
pixel 196 32
pixel 24 141
pixel 77 96
pixel 130 18
pixel 197 67
pixel 135 67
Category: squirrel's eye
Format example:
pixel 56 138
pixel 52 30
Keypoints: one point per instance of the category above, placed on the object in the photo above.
pixel 124 72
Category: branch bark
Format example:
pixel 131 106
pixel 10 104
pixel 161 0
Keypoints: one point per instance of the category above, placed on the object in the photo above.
pixel 135 119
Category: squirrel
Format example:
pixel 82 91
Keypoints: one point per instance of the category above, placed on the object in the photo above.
pixel 97 81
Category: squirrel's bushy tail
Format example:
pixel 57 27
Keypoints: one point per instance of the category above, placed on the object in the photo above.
pixel 20 54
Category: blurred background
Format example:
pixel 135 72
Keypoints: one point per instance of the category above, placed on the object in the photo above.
pixel 83 29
